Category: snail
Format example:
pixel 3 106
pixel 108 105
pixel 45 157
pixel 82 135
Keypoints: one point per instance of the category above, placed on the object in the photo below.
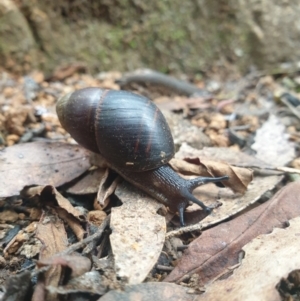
pixel 131 133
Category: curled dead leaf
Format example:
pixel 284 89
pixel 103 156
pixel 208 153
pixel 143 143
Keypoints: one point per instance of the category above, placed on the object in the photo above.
pixel 48 195
pixel 239 178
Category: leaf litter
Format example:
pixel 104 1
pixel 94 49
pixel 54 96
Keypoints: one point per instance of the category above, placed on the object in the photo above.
pixel 90 234
pixel 206 255
pixel 268 258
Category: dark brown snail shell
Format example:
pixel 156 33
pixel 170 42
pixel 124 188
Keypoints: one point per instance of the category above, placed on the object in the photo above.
pixel 131 133
pixel 127 129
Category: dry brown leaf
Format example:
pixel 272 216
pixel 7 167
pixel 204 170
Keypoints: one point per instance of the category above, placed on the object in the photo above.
pixel 21 242
pixel 101 181
pixel 239 178
pixel 229 202
pixel 96 217
pixel 225 154
pixel 49 193
pixel 149 292
pixel 217 249
pixel 89 183
pixel 268 258
pixel 34 213
pixel 40 163
pixel 138 234
pixel 65 209
pixel 51 232
pixel 9 216
pixel 225 202
pixel 49 196
pixel 106 188
pixel 15 244
pixel 73 223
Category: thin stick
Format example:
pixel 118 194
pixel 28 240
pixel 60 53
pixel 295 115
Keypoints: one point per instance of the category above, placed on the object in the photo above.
pixel 87 240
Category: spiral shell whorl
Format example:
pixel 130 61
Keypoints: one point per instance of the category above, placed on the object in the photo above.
pixel 126 128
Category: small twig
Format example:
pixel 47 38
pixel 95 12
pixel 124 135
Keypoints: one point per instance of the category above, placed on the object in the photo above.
pixel 265 172
pixel 153 77
pixel 164 268
pixel 12 241
pixel 269 171
pixel 235 138
pixel 241 127
pixel 288 170
pixel 87 240
pixel 182 230
pixel 182 248
pixel 31 266
pixel 76 246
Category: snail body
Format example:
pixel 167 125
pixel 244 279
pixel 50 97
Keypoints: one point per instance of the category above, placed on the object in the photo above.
pixel 131 133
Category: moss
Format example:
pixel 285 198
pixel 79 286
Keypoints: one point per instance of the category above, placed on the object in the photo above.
pixel 167 35
pixel 16 41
